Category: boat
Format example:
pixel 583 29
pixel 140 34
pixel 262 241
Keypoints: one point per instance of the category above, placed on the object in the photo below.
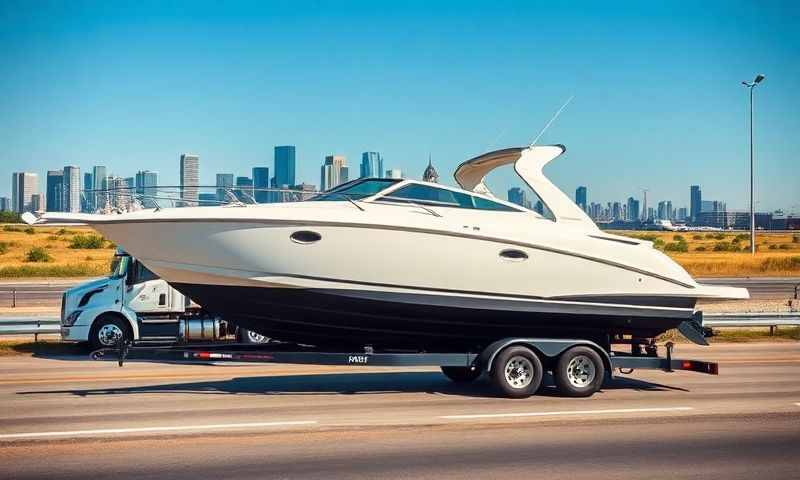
pixel 399 263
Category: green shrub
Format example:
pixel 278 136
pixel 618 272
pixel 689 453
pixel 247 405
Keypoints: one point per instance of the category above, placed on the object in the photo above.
pixel 697 237
pixel 658 243
pixel 10 217
pixel 30 231
pixel 86 241
pixel 10 228
pixel 64 231
pixel 795 238
pixel 785 263
pixel 742 236
pixel 649 237
pixel 676 247
pixel 52 237
pixel 700 249
pixel 719 236
pixel 773 247
pixel 4 247
pixel 678 238
pixel 38 254
pixel 709 235
pixel 725 247
pixel 735 240
pixel 784 246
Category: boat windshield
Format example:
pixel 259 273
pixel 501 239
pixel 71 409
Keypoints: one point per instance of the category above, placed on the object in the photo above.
pixel 357 189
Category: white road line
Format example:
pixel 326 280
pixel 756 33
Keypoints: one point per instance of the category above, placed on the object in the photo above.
pixel 179 428
pixel 566 412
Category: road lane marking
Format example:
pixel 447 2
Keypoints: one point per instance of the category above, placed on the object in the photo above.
pixel 565 412
pixel 179 428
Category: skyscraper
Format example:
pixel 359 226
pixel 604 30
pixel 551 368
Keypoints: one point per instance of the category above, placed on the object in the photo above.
pixel 394 173
pixel 86 197
pixel 261 181
pixel 334 172
pixel 99 198
pixel 616 212
pixel 5 204
pixel 371 165
pixel 24 186
pixel 224 185
pixel 244 189
pixel 430 174
pixel 71 197
pixel 37 202
pixel 55 190
pixel 284 165
pixel 190 178
pixel 146 184
pixel 517 195
pixel 695 202
pixel 632 210
pixel 580 197
pixel 539 207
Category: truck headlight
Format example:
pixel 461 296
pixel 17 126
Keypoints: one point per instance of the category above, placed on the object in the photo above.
pixel 71 318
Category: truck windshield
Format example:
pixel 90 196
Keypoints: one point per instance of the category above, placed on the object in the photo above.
pixel 119 266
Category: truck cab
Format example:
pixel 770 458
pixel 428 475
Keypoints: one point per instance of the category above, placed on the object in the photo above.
pixel 133 303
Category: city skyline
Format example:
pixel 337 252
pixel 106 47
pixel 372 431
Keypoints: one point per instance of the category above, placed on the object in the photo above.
pixel 647 113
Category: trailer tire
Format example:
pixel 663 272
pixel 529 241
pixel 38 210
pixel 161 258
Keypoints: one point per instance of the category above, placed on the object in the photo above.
pixel 461 374
pixel 579 372
pixel 106 330
pixel 244 335
pixel 517 372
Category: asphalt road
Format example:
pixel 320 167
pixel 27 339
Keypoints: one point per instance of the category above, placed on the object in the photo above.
pixel 66 417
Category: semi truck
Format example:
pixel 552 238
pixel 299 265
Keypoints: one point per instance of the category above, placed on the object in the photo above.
pixel 134 304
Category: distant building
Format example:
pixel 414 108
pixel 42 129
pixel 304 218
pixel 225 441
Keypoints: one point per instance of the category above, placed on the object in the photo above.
pixel 516 195
pixel 260 183
pixel 682 215
pixel 695 202
pixel 86 194
pixel 71 194
pixel 580 197
pixel 430 174
pixel 371 165
pixel 305 191
pixel 207 199
pixel 224 184
pixel 244 189
pixel 24 185
pixel 334 172
pixel 285 165
pixel 712 206
pixel 37 202
pixel 539 207
pixel 665 210
pixel 616 212
pixel 394 173
pixel 5 204
pixel 146 184
pixel 55 190
pixel 632 210
pixel 100 182
pixel 190 178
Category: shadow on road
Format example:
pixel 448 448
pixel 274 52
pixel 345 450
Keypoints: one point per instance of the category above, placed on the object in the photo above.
pixel 342 384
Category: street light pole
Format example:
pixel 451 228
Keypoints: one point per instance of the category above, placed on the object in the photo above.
pixel 751 86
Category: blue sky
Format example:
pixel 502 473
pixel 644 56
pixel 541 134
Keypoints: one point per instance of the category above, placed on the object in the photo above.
pixel 658 101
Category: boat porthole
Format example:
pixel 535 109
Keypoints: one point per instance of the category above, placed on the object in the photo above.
pixel 514 254
pixel 305 237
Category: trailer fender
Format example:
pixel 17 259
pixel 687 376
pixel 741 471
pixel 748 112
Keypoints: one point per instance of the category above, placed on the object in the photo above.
pixel 549 348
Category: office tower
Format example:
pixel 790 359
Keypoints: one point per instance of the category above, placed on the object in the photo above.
pixel 261 182
pixel 86 195
pixel 394 173
pixel 665 210
pixel 430 174
pixel 24 186
pixel 5 204
pixel 695 202
pixel 244 189
pixel 651 213
pixel 616 212
pixel 682 214
pixel 517 195
pixel 190 178
pixel 55 190
pixel 146 184
pixel 633 210
pixel 304 191
pixel 207 199
pixel 645 209
pixel 71 193
pixel 98 198
pixel 334 172
pixel 580 197
pixel 284 165
pixel 371 165
pixel 37 202
pixel 224 184
pixel 118 194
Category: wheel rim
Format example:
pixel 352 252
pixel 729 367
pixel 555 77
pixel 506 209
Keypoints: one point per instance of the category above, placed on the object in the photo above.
pixel 519 372
pixel 581 371
pixel 255 337
pixel 109 334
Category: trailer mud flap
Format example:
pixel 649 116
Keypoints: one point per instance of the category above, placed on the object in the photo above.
pixel 693 330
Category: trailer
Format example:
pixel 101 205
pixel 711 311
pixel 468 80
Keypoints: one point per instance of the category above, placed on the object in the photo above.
pixel 515 366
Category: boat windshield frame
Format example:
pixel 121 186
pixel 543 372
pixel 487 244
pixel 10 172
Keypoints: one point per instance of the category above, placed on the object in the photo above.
pixel 341 192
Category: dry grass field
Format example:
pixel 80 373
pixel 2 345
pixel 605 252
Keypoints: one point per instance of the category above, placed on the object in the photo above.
pixel 33 252
pixel 727 254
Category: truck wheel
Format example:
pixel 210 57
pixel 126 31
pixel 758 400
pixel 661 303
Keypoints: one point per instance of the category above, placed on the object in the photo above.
pixel 461 374
pixel 244 335
pixel 107 330
pixel 517 372
pixel 579 372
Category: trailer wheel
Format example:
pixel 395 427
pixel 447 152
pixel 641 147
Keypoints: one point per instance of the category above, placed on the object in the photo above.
pixel 107 330
pixel 579 372
pixel 517 372
pixel 244 335
pixel 461 374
